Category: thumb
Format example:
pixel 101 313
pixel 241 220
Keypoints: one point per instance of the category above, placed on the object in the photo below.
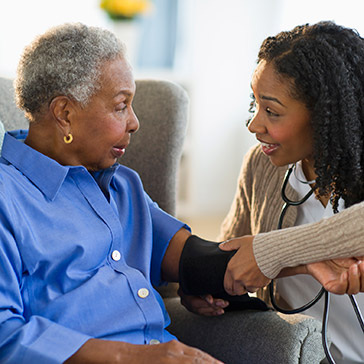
pixel 230 245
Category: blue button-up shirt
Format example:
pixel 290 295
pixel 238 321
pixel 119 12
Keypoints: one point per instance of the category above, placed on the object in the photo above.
pixel 79 256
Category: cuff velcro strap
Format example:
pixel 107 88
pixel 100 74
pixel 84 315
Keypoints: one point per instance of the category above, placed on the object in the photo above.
pixel 202 269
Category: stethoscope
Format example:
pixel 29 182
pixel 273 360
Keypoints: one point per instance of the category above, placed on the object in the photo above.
pixel 288 202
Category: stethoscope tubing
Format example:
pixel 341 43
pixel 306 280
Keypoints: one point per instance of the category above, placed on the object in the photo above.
pixel 288 202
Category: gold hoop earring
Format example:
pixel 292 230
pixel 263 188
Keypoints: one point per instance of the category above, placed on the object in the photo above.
pixel 68 139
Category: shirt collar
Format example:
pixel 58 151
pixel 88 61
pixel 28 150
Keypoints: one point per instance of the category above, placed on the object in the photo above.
pixel 47 174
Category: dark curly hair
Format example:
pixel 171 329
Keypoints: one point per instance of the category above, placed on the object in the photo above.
pixel 325 63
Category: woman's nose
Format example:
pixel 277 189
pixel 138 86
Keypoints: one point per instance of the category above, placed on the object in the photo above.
pixel 256 126
pixel 133 122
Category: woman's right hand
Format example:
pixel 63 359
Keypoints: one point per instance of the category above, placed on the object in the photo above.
pixel 242 274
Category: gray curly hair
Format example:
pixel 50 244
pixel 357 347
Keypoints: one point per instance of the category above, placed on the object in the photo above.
pixel 66 60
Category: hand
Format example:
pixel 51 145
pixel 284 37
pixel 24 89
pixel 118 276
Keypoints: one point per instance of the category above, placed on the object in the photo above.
pixel 203 305
pixel 104 351
pixel 242 273
pixel 339 276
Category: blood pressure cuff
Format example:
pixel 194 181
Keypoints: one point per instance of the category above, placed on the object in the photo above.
pixel 202 269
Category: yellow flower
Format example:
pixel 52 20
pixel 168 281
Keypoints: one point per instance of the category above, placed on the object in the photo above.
pixel 125 9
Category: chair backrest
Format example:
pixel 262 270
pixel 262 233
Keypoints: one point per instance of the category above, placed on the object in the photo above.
pixel 155 150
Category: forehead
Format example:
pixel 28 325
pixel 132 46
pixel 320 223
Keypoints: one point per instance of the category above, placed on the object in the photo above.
pixel 117 76
pixel 265 79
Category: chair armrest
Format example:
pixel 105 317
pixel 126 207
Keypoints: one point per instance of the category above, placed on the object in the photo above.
pixel 249 336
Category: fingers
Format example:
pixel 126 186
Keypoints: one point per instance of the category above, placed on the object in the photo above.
pixel 229 245
pixel 211 306
pixel 339 286
pixel 236 243
pixel 198 356
pixel 354 279
pixel 177 352
pixel 233 286
pixel 216 302
pixel 204 305
pixel 361 269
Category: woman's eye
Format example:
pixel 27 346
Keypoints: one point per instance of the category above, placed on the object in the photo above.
pixel 270 112
pixel 121 107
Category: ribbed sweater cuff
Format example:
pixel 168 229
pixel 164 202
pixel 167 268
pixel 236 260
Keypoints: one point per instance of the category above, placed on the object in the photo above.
pixel 337 237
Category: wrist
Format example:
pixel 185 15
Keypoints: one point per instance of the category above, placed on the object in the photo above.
pixel 101 351
pixel 292 271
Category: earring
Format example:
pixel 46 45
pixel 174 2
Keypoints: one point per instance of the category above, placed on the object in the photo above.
pixel 68 139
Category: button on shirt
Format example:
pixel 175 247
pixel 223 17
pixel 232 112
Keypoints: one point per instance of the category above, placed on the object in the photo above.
pixel 79 256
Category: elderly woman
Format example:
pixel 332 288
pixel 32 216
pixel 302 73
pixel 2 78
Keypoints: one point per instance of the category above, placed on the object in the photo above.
pixel 79 266
pixel 91 245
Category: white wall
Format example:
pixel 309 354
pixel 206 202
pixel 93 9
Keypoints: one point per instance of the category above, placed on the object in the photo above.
pixel 222 48
pixel 22 20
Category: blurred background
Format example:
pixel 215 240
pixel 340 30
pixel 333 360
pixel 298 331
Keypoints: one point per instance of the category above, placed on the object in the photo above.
pixel 207 46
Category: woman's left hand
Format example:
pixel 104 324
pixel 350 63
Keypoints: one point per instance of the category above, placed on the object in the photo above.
pixel 339 276
pixel 203 305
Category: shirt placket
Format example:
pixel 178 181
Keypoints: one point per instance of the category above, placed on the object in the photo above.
pixel 141 289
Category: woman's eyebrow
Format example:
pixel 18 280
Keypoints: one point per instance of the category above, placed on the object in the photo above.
pixel 269 98
pixel 126 93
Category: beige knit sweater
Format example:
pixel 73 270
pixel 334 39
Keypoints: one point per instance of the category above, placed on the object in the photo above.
pixel 256 209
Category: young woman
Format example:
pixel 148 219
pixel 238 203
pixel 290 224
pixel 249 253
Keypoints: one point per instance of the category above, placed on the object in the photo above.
pixel 308 114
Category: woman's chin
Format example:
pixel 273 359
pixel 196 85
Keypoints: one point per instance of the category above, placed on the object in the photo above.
pixel 279 162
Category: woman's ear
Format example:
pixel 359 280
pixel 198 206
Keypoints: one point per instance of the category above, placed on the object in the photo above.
pixel 61 107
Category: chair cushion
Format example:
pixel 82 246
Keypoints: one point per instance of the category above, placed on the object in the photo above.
pixel 249 336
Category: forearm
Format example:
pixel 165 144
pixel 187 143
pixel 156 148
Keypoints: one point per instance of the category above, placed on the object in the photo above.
pixel 334 237
pixel 96 351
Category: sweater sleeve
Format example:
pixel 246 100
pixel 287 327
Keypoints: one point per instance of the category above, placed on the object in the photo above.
pixel 339 236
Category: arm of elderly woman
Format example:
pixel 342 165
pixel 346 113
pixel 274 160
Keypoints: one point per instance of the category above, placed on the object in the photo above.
pixel 104 351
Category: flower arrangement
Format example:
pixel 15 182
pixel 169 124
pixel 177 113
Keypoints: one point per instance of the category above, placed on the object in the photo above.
pixel 125 9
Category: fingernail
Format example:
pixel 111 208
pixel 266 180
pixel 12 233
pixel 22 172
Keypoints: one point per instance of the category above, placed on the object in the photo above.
pixel 222 304
pixel 355 269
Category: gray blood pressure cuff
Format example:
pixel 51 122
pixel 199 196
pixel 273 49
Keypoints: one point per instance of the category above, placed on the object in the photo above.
pixel 201 271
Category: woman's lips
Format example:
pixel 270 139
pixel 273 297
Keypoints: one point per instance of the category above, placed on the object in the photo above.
pixel 118 151
pixel 269 148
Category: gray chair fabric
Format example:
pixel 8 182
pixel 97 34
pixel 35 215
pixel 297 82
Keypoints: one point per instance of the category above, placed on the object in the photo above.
pixel 10 115
pixel 249 337
pixel 155 151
